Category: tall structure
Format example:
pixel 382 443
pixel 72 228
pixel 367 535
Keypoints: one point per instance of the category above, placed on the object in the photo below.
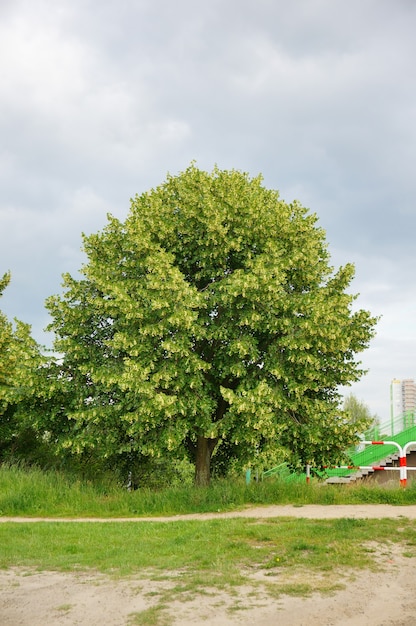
pixel 402 404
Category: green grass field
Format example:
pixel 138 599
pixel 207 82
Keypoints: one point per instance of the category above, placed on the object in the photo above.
pixel 224 545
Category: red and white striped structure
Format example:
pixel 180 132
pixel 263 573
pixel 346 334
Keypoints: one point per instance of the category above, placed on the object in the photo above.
pixel 402 461
pixel 402 456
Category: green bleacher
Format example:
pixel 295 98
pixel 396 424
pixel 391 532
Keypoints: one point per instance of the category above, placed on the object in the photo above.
pixel 404 428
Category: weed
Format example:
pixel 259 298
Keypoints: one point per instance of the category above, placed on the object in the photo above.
pixel 64 608
pixel 153 616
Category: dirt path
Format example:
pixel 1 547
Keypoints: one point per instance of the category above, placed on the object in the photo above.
pixel 32 598
pixel 309 511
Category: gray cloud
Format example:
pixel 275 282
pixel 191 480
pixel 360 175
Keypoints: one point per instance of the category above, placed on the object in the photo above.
pixel 99 102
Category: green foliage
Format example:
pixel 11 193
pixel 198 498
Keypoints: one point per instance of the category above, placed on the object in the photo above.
pixel 20 359
pixel 209 322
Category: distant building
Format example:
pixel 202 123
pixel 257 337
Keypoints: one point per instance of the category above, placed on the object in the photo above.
pixel 402 404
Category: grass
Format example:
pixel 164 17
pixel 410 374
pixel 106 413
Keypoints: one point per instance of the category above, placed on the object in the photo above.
pixel 153 616
pixel 64 608
pixel 190 558
pixel 38 493
pixel 213 551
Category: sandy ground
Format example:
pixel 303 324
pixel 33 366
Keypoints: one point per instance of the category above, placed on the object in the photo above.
pixel 387 598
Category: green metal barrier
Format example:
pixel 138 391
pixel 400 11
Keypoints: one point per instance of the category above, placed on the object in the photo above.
pixel 283 472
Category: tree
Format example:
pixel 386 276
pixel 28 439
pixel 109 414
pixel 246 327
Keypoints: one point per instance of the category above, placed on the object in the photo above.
pixel 357 410
pixel 6 363
pixel 19 359
pixel 209 320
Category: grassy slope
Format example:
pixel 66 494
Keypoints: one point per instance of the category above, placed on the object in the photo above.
pixel 36 493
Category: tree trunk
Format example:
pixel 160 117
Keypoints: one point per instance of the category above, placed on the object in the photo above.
pixel 204 450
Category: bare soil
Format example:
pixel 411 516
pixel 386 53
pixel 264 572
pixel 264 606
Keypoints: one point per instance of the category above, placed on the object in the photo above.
pixel 385 598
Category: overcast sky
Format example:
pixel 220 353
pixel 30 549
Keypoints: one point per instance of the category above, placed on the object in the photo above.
pixel 99 100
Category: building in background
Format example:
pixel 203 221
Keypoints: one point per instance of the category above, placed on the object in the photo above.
pixel 402 404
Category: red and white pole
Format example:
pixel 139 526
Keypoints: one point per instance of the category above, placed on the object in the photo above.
pixel 403 471
pixel 308 473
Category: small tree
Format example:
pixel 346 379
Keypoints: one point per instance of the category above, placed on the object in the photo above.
pixel 210 318
pixel 358 412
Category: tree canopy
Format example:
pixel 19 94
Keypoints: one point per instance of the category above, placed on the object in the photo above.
pixel 209 321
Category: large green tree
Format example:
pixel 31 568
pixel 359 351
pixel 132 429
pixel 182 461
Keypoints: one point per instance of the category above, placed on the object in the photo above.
pixel 212 321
